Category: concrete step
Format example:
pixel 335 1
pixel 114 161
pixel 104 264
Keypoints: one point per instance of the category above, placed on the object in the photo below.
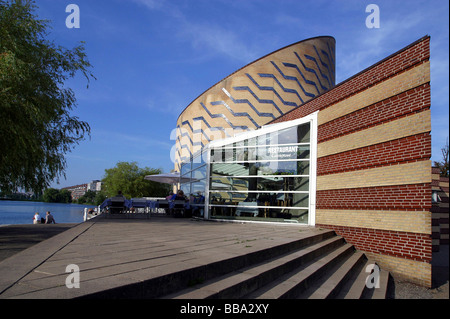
pixel 322 269
pixel 245 280
pixel 294 284
pixel 169 286
pixel 356 285
pixel 330 286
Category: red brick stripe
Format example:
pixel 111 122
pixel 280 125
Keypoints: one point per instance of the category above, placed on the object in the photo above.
pixel 396 107
pixel 408 149
pixel 407 245
pixel 415 197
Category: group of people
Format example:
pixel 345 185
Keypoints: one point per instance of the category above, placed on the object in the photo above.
pixel 178 196
pixel 49 219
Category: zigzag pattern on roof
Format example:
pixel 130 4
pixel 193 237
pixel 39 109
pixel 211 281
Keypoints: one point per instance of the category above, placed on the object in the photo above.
pixel 309 57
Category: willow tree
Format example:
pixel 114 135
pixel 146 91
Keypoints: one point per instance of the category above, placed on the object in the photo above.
pixel 36 127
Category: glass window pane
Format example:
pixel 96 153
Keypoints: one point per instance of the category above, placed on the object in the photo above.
pixel 185 167
pixel 303 133
pixel 198 161
pixel 261 168
pixel 199 173
pixel 260 183
pixel 186 188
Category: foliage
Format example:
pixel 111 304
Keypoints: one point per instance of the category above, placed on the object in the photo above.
pixel 92 197
pixel 129 178
pixel 443 165
pixel 36 127
pixel 53 195
pixel 87 198
pixel 99 198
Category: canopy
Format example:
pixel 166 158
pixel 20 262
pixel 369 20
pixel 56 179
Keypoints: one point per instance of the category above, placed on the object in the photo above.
pixel 169 178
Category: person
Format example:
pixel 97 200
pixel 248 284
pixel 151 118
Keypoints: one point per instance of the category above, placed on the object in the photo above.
pixel 169 197
pixel 49 218
pixel 119 194
pixel 179 196
pixel 36 218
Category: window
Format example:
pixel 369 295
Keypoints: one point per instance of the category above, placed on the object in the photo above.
pixel 266 175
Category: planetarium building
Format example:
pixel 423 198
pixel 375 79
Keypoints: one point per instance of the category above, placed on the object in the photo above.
pixel 279 141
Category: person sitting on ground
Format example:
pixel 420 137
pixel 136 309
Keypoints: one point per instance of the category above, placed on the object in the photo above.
pixel 49 218
pixel 36 218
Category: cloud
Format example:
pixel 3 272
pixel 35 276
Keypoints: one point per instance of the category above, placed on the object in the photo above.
pixel 131 140
pixel 206 38
pixel 150 4
pixel 374 44
pixel 217 39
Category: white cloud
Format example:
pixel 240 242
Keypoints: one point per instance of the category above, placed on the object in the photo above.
pixel 374 44
pixel 150 4
pixel 204 37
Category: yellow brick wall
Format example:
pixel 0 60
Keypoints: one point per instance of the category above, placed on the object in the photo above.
pixel 406 221
pixel 399 174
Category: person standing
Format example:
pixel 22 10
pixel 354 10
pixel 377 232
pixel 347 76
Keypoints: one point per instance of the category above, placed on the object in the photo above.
pixel 49 218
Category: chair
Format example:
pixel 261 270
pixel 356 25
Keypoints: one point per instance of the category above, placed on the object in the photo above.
pixel 178 207
pixel 163 203
pixel 117 205
pixel 247 210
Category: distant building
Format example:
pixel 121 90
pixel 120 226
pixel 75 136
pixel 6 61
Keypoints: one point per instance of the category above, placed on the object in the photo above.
pixel 95 186
pixel 77 190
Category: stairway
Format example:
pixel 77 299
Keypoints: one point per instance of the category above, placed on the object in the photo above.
pixel 327 267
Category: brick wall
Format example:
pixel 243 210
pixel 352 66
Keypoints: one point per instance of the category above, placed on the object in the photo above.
pixel 373 161
pixel 440 210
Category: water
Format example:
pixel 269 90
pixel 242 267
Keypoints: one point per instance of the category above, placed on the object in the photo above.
pixel 17 212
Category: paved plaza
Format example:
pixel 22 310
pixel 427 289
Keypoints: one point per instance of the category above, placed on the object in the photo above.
pixel 140 254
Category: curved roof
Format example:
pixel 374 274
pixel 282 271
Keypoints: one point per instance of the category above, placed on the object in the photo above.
pixel 247 65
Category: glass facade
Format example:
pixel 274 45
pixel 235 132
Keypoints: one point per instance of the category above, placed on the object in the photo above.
pixel 261 176
pixel 194 183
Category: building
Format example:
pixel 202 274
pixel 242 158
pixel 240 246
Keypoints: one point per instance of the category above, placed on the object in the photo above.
pixel 77 190
pixel 352 157
pixel 257 94
pixel 95 186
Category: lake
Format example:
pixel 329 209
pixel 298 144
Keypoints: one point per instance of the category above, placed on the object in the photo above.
pixel 18 212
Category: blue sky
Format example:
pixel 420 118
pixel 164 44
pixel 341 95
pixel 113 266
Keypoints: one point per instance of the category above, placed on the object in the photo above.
pixel 152 58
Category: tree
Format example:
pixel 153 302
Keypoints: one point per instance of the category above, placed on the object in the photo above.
pixel 99 198
pixel 129 178
pixel 53 195
pixel 36 127
pixel 87 198
pixel 443 165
